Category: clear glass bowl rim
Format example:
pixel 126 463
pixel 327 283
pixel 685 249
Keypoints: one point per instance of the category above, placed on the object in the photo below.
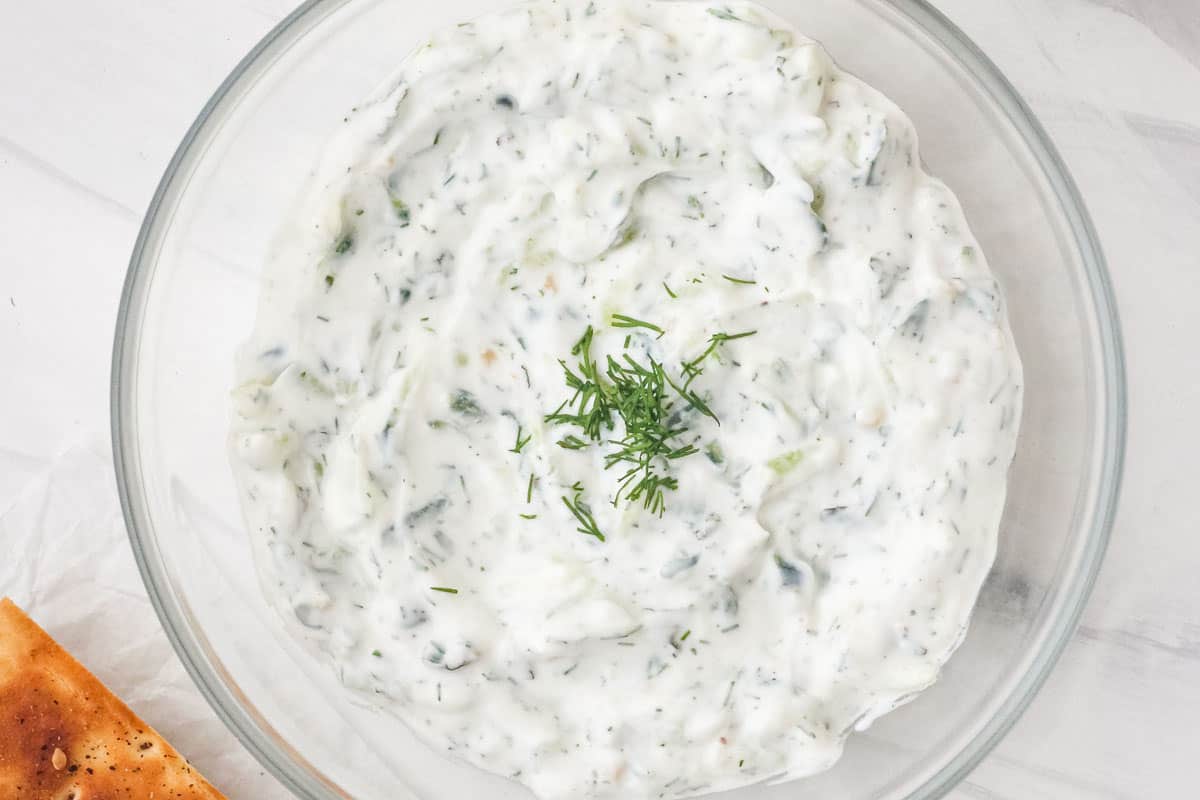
pixel 276 757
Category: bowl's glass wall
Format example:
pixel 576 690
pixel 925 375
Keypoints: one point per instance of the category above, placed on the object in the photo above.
pixel 192 300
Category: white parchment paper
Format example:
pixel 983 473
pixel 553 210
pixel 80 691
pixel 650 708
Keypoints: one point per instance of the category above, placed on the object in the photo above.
pixel 65 558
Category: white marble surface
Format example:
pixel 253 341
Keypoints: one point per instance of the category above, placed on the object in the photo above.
pixel 94 98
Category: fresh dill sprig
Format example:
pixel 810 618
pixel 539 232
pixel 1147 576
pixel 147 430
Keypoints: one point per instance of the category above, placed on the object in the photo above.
pixel 623 321
pixel 592 410
pixel 652 428
pixel 692 369
pixel 520 445
pixel 583 513
pixel 646 399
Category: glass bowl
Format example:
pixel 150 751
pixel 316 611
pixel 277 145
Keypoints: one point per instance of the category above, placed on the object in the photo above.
pixel 190 299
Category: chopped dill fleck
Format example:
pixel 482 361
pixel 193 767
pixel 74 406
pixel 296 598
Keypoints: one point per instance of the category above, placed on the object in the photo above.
pixel 529 491
pixel 685 636
pixel 668 288
pixel 329 280
pixel 742 281
pixel 444 589
pixel 623 321
pixel 583 513
pixel 725 14
pixel 377 654
pixel 463 402
pixel 782 465
pixel 520 445
pixel 527 516
pixel 402 212
pixel 692 369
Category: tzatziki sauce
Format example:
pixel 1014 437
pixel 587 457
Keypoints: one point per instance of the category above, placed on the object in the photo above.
pixel 627 410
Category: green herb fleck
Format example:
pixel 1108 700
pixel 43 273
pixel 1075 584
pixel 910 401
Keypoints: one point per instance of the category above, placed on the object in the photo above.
pixel 444 589
pixel 377 654
pixel 782 465
pixel 626 235
pixel 818 202
pixel 622 321
pixel 344 244
pixel 668 288
pixel 329 280
pixel 520 445
pixel 725 14
pixel 529 491
pixel 463 402
pixel 527 516
pixel 583 513
pixel 692 369
pixel 742 281
pixel 402 212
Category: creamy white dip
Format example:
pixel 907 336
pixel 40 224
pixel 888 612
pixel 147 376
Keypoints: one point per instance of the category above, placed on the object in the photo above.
pixel 701 171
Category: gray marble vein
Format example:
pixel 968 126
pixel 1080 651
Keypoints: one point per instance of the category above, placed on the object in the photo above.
pixel 1175 145
pixel 975 791
pixel 1066 780
pixel 16 152
pixel 1186 646
pixel 1175 22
